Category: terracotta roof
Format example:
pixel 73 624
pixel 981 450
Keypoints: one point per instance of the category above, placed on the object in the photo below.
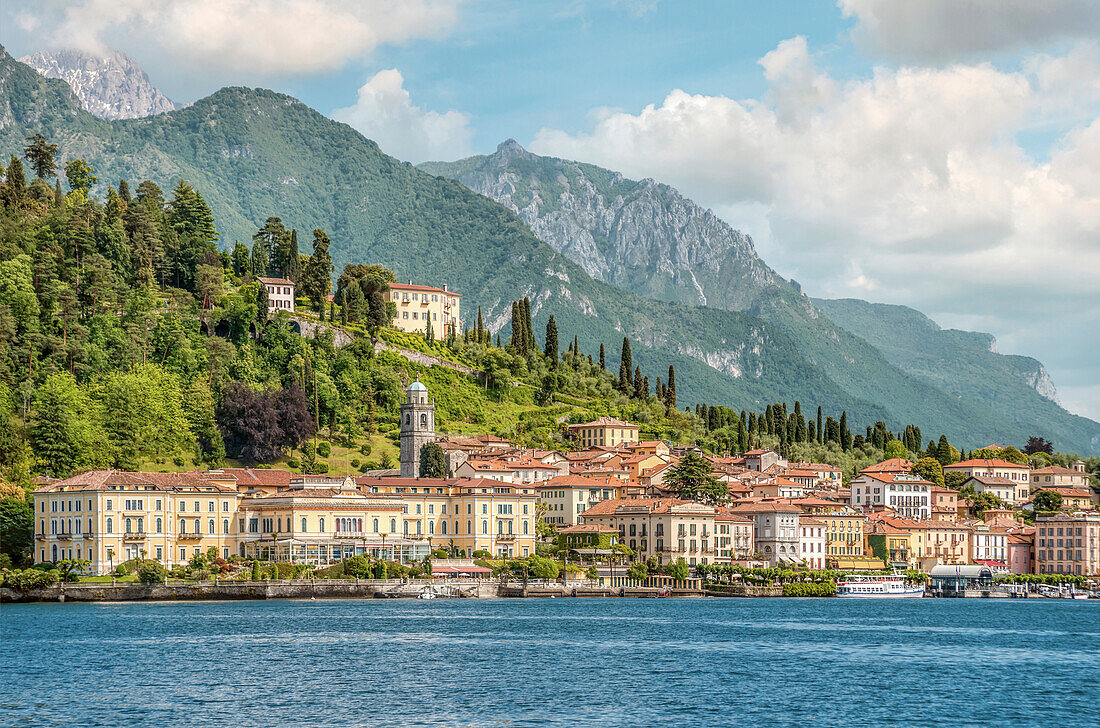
pixel 275 281
pixel 414 287
pixel 107 480
pixel 987 463
pixel 893 477
pixel 765 506
pixel 653 505
pixel 993 480
pixel 1072 492
pixel 605 422
pixel 257 476
pixel 578 481
pixel 890 465
pixel 808 521
pixel 587 528
pixel 761 451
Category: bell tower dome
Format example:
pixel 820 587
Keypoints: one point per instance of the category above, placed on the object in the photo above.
pixel 417 427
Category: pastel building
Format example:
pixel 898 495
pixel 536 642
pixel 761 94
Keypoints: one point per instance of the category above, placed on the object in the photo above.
pixel 604 432
pixel 417 305
pixel 280 293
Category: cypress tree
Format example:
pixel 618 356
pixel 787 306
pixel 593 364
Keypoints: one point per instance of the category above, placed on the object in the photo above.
pixel 625 366
pixel 603 360
pixel 670 396
pixel 820 432
pixel 479 332
pixel 845 435
pixel 551 349
pixel 517 330
pixel 638 393
pixel 528 329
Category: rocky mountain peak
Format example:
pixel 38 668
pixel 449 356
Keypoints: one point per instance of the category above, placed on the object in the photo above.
pixel 113 86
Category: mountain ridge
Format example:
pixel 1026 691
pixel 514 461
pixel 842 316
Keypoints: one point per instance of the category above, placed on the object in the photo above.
pixel 110 87
pixel 255 153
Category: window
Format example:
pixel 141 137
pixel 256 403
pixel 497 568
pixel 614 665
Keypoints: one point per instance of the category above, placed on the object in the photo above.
pixel 374 525
pixel 225 526
pixel 484 527
pixel 110 524
pixel 128 528
pixel 321 524
pixel 108 504
pixel 198 526
pixel 225 506
pixel 160 526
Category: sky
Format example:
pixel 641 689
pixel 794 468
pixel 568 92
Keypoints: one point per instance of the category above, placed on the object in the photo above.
pixel 943 155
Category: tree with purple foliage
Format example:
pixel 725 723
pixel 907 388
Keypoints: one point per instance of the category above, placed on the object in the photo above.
pixel 259 427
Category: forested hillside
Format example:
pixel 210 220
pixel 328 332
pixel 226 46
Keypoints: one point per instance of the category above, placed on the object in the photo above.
pixel 255 154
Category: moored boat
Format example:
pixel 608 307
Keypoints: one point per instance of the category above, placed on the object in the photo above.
pixel 878 586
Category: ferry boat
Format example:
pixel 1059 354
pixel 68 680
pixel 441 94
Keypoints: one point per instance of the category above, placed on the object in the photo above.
pixel 878 586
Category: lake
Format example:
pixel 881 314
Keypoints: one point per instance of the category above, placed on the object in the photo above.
pixel 562 662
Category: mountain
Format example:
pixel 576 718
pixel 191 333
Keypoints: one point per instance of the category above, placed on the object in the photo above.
pixel 964 364
pixel 111 87
pixel 255 153
pixel 645 237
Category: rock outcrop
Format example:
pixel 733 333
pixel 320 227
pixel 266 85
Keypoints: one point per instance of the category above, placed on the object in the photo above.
pixel 111 87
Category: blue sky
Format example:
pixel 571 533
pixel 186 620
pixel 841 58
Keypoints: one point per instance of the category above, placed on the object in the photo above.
pixel 940 154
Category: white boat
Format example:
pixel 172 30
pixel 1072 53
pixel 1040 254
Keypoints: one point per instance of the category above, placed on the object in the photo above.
pixel 426 593
pixel 878 586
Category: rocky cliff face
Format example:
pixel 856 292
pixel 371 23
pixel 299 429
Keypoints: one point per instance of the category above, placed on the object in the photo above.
pixel 640 235
pixel 113 87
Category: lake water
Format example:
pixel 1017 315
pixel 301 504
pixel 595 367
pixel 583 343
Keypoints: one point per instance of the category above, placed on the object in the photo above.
pixel 563 662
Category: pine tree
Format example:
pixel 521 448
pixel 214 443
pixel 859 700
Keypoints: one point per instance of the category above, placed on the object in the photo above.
pixel 15 184
pixel 551 349
pixel 41 155
pixel 124 190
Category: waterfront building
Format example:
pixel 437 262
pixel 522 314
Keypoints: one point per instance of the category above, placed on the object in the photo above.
pixel 1021 552
pixel 588 539
pixel 604 432
pixel 567 497
pixel 776 531
pixel 665 528
pixel 109 516
pixel 735 533
pixel 844 538
pixel 319 520
pixel 811 542
pixel 945 503
pixel 890 541
pixel 417 427
pixel 464 514
pixel 1068 544
pixel 989 546
pixel 417 305
pixel 938 542
pixel 280 293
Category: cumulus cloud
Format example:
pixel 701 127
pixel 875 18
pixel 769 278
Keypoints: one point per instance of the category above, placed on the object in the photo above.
pixel 941 30
pixel 385 113
pixel 270 37
pixel 906 187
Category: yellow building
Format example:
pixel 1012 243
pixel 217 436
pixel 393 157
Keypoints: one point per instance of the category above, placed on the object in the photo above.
pixel 108 516
pixel 844 535
pixel 604 432
pixel 468 514
pixel 666 528
pixel 416 305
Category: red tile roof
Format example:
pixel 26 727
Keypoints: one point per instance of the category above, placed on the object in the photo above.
pixel 986 463
pixel 414 287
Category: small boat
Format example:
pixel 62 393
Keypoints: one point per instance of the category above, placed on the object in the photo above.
pixel 426 593
pixel 878 586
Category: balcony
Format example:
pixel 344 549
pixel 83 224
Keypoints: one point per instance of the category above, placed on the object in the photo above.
pixel 138 536
pixel 64 537
pixel 188 537
pixel 506 537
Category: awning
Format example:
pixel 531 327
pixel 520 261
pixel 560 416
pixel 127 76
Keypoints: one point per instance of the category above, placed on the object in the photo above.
pixel 986 562
pixel 454 570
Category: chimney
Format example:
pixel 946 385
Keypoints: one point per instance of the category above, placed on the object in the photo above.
pixel 444 286
pixel 410 281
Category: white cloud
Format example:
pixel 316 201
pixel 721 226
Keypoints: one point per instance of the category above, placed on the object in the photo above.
pixel 269 37
pixel 941 30
pixel 909 184
pixel 385 113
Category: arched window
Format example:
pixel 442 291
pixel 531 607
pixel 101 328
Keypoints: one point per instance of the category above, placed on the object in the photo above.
pixel 55 552
pixel 405 528
pixel 423 420
pixel 225 526
pixel 129 526
pixel 141 525
pixel 198 525
pixel 304 529
pixel 110 526
pixel 321 524
pixel 418 528
pixel 374 525
pixel 524 527
pixel 484 527
pixel 443 528
pixel 160 526
pixel 393 525
pixel 210 527
pixel 359 524
pixel 431 528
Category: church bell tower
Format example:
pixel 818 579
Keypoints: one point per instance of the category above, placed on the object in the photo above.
pixel 417 427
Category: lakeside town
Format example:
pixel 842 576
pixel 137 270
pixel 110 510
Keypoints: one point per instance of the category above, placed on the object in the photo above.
pixel 608 511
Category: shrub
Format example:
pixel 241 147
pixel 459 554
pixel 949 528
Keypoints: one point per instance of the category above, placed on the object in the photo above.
pixel 440 554
pixel 294 463
pixel 592 572
pixel 151 571
pixel 355 462
pixel 178 461
pixel 324 449
pixel 365 450
pixel 321 468
pixel 358 567
pixel 285 570
pixel 482 554
pixel 31 579
pixel 809 589
pixel 257 574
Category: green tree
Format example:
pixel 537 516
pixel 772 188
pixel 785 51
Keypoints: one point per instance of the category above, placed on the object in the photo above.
pixel 670 388
pixel 62 435
pixel 1046 501
pixel 151 571
pixel 691 479
pixel 16 528
pixel 929 469
pixel 80 176
pixel 678 569
pixel 71 569
pixel 316 280
pixel 551 349
pixel 541 567
pixel 895 449
pixel 637 571
pixel 433 463
pixel 15 184
pixel 41 155
pixel 626 365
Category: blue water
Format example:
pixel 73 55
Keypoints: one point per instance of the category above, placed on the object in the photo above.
pixel 563 662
